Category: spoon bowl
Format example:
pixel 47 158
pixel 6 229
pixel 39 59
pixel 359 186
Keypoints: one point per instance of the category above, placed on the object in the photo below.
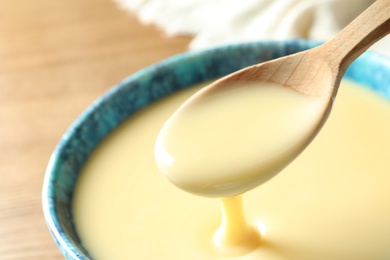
pixel 223 160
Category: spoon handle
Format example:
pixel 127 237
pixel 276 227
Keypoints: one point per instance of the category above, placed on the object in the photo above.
pixel 369 27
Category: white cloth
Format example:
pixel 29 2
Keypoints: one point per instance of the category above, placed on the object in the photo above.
pixel 216 22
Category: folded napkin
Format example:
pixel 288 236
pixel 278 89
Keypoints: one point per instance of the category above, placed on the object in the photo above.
pixel 216 22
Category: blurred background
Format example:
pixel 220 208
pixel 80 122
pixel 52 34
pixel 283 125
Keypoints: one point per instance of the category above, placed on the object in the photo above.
pixel 56 57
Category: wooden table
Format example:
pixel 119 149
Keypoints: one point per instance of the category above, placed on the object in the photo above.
pixel 56 57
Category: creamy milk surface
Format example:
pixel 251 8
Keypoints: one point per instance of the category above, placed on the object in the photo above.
pixel 224 142
pixel 329 203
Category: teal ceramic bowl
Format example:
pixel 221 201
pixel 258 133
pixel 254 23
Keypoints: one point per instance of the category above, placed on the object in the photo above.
pixel 147 86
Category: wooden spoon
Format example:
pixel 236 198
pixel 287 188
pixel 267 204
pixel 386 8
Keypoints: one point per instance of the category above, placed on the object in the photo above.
pixel 182 148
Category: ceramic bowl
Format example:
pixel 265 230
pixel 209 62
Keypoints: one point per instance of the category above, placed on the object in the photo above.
pixel 146 86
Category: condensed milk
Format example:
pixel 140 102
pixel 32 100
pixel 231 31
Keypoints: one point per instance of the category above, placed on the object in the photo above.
pixel 329 203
